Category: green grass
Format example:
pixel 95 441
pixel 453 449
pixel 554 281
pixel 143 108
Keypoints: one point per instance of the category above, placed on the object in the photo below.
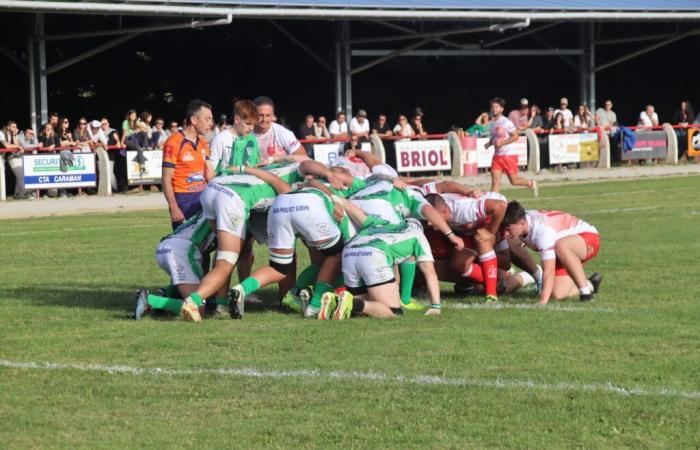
pixel 66 287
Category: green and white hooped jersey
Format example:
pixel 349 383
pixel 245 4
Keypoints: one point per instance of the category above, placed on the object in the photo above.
pixel 197 230
pixel 382 199
pixel 254 192
pixel 398 242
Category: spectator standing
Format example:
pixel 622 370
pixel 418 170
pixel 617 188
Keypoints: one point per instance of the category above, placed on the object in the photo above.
pixel 160 135
pixel 339 127
pixel 521 116
pixel 683 117
pixel 9 139
pixel 480 126
pixel 359 125
pixel 584 119
pixel 29 143
pixel 534 118
pixel 173 128
pixel 353 144
pixel 381 127
pixel 274 140
pixel 548 119
pixel 97 136
pixel 82 135
pixel 559 124
pixel 54 120
pixel 648 117
pixel 307 130
pixel 185 168
pixel 605 117
pixel 417 125
pixel 403 128
pixel 65 135
pixel 222 124
pixel 48 137
pixel 129 125
pixel 565 112
pixel 117 158
pixel 320 128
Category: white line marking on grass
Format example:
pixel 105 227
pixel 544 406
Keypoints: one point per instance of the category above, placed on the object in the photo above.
pixel 71 229
pixel 423 380
pixel 620 210
pixel 536 307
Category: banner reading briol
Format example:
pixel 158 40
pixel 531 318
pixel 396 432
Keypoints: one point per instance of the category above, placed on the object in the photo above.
pixel 45 171
pixel 422 156
pixel 485 155
pixel 152 169
pixel 573 148
pixel 651 144
pixel 327 153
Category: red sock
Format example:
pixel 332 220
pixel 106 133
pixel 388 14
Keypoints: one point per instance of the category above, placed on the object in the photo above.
pixel 474 273
pixel 489 266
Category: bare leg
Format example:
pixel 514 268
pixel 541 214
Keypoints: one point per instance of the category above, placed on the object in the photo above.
pixel 380 300
pixel 496 180
pixel 518 181
pixel 219 276
pixel 570 251
pixel 245 262
pixel 564 287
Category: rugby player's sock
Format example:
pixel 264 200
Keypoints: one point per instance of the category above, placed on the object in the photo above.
pixel 489 266
pixel 306 278
pixel 407 270
pixel 526 278
pixel 474 273
pixel 339 282
pixel 221 301
pixel 588 289
pixel 249 285
pixel 320 288
pixel 173 305
pixel 358 305
pixel 196 298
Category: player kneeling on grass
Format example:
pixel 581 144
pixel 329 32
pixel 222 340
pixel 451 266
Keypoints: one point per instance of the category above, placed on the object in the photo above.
pixel 564 242
pixel 368 264
pixel 180 255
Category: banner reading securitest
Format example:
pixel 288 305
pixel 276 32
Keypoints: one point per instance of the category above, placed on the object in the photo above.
pixel 422 156
pixel 44 171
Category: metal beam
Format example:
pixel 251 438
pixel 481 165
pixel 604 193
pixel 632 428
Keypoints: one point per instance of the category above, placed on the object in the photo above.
pixel 15 60
pixel 521 34
pixel 90 53
pixel 468 52
pixel 303 46
pixel 389 54
pixel 550 47
pixel 328 13
pixel 646 50
pixel 651 37
pixel 410 31
pixel 435 35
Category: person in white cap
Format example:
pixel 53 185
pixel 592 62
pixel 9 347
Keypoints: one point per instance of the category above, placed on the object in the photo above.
pixel 359 125
pixel 97 135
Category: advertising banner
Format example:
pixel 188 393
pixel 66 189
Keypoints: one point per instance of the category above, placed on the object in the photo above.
pixel 46 172
pixel 423 156
pixel 651 144
pixel 327 153
pixel 694 141
pixel 469 159
pixel 485 155
pixel 152 170
pixel 573 148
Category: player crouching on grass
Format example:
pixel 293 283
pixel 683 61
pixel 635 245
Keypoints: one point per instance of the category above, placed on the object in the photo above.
pixel 369 261
pixel 311 212
pixel 564 242
pixel 180 255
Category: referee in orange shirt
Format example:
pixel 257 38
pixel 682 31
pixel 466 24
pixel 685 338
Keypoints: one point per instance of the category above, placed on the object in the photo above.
pixel 185 168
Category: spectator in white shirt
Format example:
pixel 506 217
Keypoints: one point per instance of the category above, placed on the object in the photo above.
pixel 339 127
pixel 162 134
pixel 96 134
pixel 648 118
pixel 320 128
pixel 565 112
pixel 403 128
pixel 583 119
pixel 359 125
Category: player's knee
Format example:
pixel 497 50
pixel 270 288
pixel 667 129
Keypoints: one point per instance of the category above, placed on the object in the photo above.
pixel 227 257
pixel 332 247
pixel 282 263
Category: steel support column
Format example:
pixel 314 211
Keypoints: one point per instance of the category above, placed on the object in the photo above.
pixel 347 69
pixel 591 66
pixel 33 119
pixel 338 70
pixel 43 85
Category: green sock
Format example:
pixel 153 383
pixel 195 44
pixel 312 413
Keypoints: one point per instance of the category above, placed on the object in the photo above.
pixel 249 286
pixel 306 278
pixel 196 298
pixel 169 304
pixel 407 269
pixel 339 282
pixel 171 291
pixel 320 288
pixel 221 301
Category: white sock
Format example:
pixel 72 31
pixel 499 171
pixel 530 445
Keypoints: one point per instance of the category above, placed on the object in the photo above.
pixel 525 277
pixel 538 273
pixel 585 290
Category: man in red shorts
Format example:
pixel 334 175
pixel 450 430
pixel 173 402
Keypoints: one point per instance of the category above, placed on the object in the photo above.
pixel 504 135
pixel 564 242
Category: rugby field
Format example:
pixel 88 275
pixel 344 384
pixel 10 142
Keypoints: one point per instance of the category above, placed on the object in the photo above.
pixel 623 371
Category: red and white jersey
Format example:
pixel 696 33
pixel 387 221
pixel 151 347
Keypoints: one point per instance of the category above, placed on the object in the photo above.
pixel 547 227
pixel 468 212
pixel 502 129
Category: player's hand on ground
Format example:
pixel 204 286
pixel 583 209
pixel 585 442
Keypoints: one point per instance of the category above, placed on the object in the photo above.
pixel 433 312
pixel 457 242
pixel 176 214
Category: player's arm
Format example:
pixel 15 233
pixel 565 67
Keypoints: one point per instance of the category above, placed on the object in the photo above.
pixel 366 157
pixel 209 172
pixel 354 212
pixel 548 266
pixel 339 180
pixel 338 207
pixel 452 187
pixel 434 217
pixel 278 184
pixel 496 209
pixel 513 137
pixel 293 158
pixel 176 214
